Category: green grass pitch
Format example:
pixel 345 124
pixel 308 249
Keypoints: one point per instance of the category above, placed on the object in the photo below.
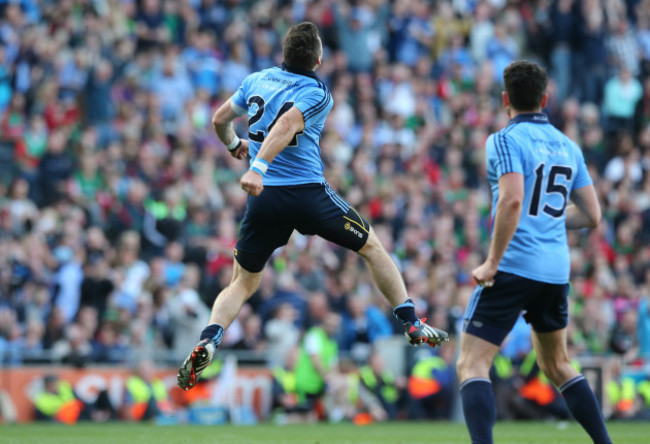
pixel 399 432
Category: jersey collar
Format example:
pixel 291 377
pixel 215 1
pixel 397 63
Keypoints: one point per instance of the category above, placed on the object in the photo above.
pixel 302 72
pixel 529 117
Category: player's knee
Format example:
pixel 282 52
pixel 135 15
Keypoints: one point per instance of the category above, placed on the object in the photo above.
pixel 469 366
pixel 371 247
pixel 461 365
pixel 245 285
pixel 557 370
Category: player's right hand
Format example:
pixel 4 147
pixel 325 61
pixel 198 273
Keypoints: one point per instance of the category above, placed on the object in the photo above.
pixel 242 151
pixel 251 182
pixel 484 273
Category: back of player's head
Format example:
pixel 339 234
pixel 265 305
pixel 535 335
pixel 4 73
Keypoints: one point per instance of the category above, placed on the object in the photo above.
pixel 525 84
pixel 302 46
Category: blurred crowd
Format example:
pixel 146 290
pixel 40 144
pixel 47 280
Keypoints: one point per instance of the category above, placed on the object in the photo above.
pixel 119 207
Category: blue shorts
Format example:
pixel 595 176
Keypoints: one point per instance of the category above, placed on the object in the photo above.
pixel 272 216
pixel 492 311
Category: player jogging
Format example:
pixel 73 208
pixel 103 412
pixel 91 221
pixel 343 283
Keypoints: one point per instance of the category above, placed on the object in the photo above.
pixel 532 169
pixel 286 108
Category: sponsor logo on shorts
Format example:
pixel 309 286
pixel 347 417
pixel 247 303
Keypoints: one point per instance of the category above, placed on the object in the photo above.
pixel 477 324
pixel 235 252
pixel 350 228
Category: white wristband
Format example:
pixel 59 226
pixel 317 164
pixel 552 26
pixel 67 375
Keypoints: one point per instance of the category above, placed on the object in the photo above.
pixel 260 166
pixel 234 144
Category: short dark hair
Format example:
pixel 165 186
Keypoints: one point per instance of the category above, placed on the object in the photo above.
pixel 525 84
pixel 301 48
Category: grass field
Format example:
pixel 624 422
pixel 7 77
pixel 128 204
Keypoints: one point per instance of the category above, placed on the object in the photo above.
pixel 407 433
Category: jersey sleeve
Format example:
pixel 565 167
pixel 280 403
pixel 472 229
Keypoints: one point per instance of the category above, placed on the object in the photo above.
pixel 314 104
pixel 503 155
pixel 583 178
pixel 240 98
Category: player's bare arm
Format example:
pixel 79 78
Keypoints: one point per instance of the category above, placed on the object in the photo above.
pixel 222 121
pixel 585 211
pixel 511 197
pixel 278 139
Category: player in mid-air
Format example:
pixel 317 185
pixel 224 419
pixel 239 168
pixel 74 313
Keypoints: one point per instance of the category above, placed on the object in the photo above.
pixel 533 169
pixel 286 108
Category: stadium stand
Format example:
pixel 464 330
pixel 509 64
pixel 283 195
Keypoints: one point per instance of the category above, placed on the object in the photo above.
pixel 119 207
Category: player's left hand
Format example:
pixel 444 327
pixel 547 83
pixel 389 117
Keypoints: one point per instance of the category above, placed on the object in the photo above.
pixel 242 151
pixel 484 273
pixel 251 182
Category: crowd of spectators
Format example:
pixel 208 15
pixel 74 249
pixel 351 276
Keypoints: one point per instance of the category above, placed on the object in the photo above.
pixel 119 207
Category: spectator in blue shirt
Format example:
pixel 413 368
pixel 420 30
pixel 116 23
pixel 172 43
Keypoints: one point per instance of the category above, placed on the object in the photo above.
pixel 363 323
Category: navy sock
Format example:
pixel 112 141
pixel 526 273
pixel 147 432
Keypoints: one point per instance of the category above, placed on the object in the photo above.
pixel 479 408
pixel 213 332
pixel 583 405
pixel 405 312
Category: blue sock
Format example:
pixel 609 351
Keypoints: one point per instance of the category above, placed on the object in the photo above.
pixel 213 332
pixel 584 407
pixel 479 408
pixel 406 312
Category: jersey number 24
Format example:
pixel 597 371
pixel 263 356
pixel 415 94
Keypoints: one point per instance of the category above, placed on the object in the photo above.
pixel 258 136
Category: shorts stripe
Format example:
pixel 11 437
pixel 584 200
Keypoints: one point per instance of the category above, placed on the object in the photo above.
pixel 473 302
pixel 338 200
pixel 341 201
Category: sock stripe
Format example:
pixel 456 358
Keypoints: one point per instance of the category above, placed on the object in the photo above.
pixel 217 338
pixel 407 303
pixel 214 333
pixel 471 380
pixel 570 382
pixel 405 312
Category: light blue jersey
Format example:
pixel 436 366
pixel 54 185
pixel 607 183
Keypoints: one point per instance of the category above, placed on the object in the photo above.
pixel 553 166
pixel 272 92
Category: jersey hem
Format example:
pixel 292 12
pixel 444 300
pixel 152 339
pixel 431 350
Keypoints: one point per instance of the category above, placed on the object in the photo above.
pixel 533 277
pixel 281 182
pixel 577 187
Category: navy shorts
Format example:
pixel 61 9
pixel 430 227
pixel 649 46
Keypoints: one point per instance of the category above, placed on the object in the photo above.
pixel 272 216
pixel 492 311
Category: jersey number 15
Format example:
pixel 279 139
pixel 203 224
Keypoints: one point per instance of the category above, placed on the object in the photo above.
pixel 551 188
pixel 258 136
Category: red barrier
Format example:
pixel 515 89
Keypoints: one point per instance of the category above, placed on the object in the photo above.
pixel 252 385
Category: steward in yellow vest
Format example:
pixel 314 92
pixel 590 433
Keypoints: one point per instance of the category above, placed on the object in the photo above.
pixel 146 397
pixel 381 383
pixel 430 387
pixel 540 392
pixel 643 388
pixel 622 397
pixel 285 395
pixel 317 357
pixel 58 402
pixel 505 385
